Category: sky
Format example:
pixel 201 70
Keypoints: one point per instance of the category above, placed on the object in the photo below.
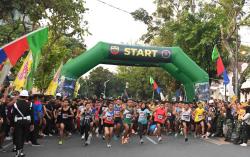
pixel 114 26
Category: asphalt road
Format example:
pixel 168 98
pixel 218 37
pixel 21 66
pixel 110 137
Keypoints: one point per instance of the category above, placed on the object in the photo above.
pixel 170 146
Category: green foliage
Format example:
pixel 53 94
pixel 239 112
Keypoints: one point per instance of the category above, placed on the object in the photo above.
pixel 65 21
pixel 196 26
pixel 94 84
pixel 52 56
pixel 138 79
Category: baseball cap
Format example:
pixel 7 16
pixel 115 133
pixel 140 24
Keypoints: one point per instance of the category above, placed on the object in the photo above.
pixel 24 93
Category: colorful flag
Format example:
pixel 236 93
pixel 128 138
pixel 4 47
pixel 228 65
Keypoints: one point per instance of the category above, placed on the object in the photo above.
pixel 33 41
pixel 152 82
pixel 215 53
pixel 225 78
pixel 54 83
pixel 21 79
pixel 77 87
pixel 158 89
pixel 220 66
pixel 219 63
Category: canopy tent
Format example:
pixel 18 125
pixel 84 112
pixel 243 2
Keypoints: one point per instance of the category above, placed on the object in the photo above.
pixel 171 59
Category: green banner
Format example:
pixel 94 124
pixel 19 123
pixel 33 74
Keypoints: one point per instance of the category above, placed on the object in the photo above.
pixel 139 53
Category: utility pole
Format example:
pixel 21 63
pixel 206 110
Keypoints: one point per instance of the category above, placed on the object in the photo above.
pixel 236 58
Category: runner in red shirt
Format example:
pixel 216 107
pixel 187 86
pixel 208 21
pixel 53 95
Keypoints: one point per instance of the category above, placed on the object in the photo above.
pixel 108 119
pixel 160 118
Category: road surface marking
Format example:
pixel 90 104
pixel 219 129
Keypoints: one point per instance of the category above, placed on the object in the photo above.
pixel 151 140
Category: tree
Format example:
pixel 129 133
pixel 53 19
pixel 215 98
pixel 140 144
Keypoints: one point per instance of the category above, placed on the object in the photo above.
pixel 67 29
pixel 94 84
pixel 196 26
pixel 138 79
pixel 60 52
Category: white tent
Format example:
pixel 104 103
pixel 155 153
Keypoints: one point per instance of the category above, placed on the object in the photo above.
pixel 246 84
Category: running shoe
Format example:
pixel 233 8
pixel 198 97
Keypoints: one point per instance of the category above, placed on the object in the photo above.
pixel 176 134
pixel 82 138
pixel 108 145
pixel 186 139
pixel 208 134
pixel 60 142
pixel 86 143
pixel 141 141
pixel 203 136
pixel 36 145
pixel 243 144
pixel 160 139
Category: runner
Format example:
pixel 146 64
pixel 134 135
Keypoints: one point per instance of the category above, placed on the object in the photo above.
pixel 118 119
pixel 209 121
pixel 143 114
pixel 87 120
pixel 108 119
pixel 64 119
pixel 160 118
pixel 185 120
pixel 199 117
pixel 127 121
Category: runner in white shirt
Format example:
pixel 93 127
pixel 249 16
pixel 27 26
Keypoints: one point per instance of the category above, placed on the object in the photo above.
pixel 185 120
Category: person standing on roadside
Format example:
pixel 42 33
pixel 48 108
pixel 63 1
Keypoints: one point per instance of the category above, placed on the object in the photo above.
pixel 23 121
pixel 246 126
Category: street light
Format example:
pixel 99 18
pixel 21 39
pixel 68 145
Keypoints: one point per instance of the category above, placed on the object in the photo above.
pixel 105 85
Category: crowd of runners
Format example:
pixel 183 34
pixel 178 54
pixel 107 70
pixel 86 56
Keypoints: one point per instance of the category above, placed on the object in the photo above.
pixel 119 119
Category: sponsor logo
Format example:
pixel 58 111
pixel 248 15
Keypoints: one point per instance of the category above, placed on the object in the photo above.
pixel 114 50
pixel 165 53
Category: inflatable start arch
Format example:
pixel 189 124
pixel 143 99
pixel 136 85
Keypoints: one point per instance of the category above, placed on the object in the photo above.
pixel 171 59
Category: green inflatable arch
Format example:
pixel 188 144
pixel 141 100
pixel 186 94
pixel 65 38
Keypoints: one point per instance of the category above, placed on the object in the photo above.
pixel 171 59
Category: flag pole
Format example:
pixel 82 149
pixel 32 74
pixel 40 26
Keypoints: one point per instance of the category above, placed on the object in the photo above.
pixel 153 95
pixel 225 85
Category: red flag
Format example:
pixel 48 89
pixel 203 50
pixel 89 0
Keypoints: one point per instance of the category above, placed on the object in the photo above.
pixel 16 49
pixel 155 86
pixel 220 66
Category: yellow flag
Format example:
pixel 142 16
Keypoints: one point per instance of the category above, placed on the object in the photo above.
pixel 21 78
pixel 77 87
pixel 54 83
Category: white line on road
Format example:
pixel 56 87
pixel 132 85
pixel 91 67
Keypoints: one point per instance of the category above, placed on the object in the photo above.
pixel 7 145
pixel 151 140
pixel 213 141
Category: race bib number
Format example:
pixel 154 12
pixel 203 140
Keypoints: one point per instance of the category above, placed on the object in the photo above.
pixel 65 116
pixel 109 118
pixel 142 115
pixel 160 117
pixel 186 116
pixel 128 116
pixel 169 114
pixel 87 118
pixel 209 118
pixel 117 112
